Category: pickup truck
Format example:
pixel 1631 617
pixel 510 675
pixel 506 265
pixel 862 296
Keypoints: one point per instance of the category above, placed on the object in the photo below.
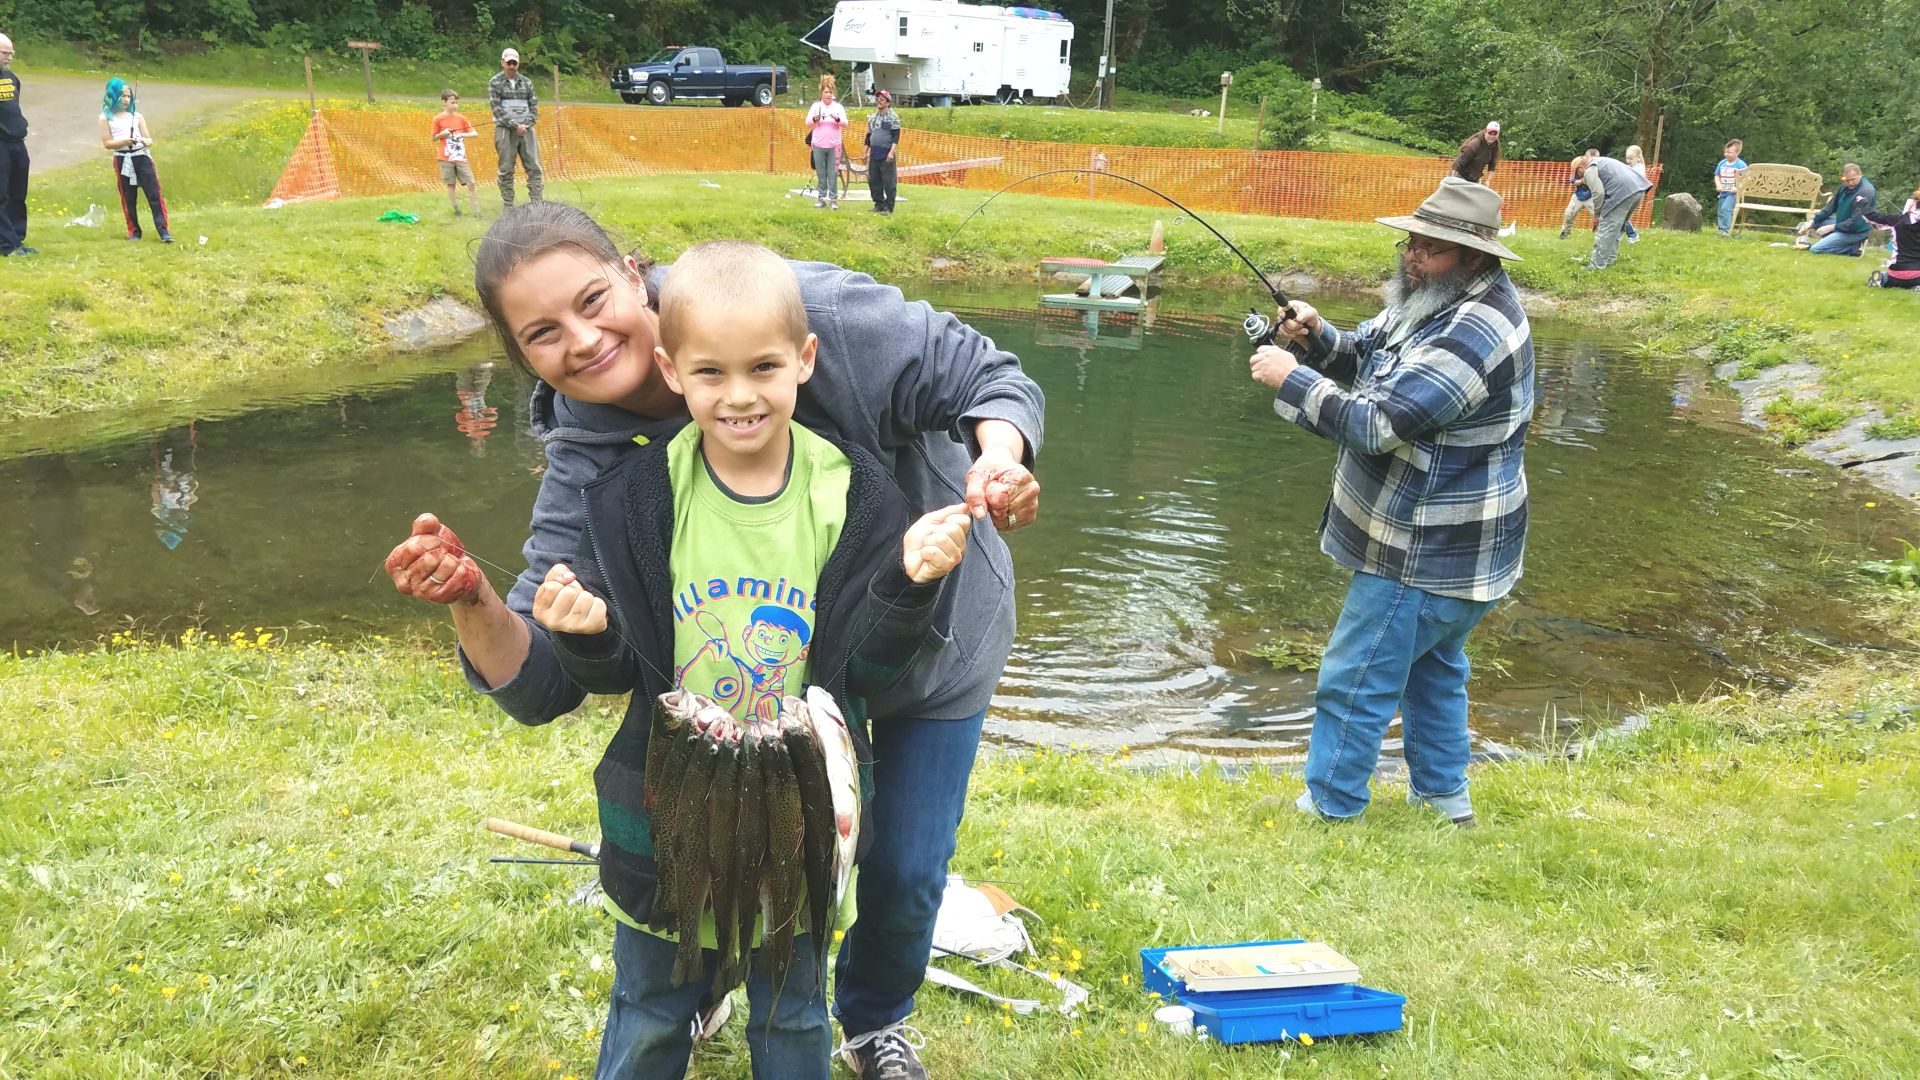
pixel 695 71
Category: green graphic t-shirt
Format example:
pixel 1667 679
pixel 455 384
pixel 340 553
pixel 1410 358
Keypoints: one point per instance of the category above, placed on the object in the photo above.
pixel 745 572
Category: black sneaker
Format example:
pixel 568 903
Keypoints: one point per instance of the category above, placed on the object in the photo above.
pixel 887 1054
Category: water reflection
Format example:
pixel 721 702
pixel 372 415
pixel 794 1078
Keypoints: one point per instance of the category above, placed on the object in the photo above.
pixel 476 419
pixel 1178 545
pixel 174 489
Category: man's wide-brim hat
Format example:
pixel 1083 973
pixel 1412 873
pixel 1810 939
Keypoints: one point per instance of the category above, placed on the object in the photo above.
pixel 1459 212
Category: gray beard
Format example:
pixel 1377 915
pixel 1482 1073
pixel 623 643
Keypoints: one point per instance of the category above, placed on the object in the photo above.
pixel 1410 304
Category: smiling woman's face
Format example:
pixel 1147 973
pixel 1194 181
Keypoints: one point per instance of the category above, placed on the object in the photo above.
pixel 585 328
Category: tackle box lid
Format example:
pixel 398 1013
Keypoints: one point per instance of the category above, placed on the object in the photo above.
pixel 1265 1015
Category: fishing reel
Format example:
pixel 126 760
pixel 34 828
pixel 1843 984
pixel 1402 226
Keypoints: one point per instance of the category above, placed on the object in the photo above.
pixel 1259 329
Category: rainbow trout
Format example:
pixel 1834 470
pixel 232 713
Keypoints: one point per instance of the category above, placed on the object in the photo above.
pixel 781 882
pixel 688 856
pixel 816 802
pixel 676 748
pixel 750 850
pixel 723 810
pixel 843 777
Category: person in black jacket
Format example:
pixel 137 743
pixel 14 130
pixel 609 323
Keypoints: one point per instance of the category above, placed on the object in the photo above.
pixel 1904 271
pixel 676 589
pixel 13 159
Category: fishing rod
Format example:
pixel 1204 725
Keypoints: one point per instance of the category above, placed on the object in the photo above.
pixel 1259 328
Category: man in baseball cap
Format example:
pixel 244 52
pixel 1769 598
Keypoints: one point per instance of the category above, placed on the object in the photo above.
pixel 883 165
pixel 1480 154
pixel 516 108
pixel 1429 503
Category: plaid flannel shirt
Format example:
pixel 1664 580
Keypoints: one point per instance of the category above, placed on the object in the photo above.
pixel 1430 487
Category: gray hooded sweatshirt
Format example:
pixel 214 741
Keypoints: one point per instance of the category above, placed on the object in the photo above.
pixel 898 378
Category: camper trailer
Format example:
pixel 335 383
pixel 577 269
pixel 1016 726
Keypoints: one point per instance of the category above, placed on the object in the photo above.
pixel 937 52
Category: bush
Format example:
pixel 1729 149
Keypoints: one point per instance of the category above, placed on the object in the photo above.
pixel 1290 122
pixel 1378 125
pixel 1161 69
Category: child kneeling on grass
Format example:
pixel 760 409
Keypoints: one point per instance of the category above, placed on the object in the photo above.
pixel 677 532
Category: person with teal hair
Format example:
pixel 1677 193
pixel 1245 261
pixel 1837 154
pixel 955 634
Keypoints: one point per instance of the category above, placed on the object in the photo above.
pixel 123 131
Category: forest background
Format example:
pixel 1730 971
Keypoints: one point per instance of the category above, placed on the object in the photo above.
pixel 1817 82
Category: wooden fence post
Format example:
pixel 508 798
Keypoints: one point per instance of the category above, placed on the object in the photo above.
pixel 313 107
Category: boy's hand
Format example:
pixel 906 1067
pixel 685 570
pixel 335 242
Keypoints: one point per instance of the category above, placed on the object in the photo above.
pixel 935 544
pixel 563 605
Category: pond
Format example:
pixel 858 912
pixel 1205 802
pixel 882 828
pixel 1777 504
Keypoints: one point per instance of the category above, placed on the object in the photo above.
pixel 1173 576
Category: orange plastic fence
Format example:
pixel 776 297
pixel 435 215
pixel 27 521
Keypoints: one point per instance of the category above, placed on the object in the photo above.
pixel 349 153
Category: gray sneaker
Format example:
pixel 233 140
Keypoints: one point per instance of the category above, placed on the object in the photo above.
pixel 886 1054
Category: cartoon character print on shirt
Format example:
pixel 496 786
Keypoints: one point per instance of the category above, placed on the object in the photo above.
pixel 753 675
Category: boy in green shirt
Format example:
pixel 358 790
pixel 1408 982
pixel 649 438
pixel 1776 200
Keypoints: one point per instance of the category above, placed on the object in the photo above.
pixel 736 557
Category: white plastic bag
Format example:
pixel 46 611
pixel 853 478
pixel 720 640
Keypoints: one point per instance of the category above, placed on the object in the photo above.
pixel 90 219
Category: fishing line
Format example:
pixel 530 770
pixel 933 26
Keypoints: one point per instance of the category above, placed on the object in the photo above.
pixel 1265 329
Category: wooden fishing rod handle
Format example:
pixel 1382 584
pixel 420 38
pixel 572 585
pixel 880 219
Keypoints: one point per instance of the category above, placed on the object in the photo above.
pixel 541 836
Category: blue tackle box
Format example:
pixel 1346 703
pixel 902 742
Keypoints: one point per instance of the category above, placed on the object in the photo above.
pixel 1240 1016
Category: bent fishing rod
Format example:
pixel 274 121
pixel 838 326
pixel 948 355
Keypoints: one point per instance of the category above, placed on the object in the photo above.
pixel 1258 328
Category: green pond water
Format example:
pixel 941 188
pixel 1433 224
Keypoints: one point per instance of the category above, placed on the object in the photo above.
pixel 1672 549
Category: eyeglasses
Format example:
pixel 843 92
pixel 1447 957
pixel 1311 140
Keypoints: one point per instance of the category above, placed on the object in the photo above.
pixel 513 63
pixel 1422 252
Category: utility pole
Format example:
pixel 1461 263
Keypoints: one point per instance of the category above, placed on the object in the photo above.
pixel 1106 61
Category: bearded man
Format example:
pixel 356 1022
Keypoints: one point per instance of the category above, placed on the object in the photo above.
pixel 1429 503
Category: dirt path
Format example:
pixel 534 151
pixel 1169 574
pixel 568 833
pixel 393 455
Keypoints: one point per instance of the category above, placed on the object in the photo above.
pixel 63 112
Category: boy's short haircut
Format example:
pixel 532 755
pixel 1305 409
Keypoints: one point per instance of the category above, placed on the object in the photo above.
pixel 1734 142
pixel 730 274
pixel 449 92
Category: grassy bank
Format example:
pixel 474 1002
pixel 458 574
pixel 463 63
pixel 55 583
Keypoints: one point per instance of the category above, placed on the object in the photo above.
pixel 280 292
pixel 244 856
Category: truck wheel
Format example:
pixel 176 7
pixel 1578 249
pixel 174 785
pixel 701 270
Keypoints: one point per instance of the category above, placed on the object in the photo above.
pixel 632 99
pixel 763 95
pixel 659 93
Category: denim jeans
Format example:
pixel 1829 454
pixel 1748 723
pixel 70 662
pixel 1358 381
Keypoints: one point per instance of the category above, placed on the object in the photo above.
pixel 826 171
pixel 1839 243
pixel 649 1020
pixel 920 773
pixel 1606 231
pixel 1394 647
pixel 1727 199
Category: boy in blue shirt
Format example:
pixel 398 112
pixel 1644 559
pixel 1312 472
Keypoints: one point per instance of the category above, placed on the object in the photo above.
pixel 1726 180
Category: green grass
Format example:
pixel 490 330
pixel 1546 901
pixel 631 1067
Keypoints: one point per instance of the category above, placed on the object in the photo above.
pixel 1895 427
pixel 246 857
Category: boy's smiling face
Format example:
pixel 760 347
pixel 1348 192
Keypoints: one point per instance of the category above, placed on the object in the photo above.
pixel 740 375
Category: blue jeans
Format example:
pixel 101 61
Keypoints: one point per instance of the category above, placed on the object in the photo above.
pixel 1727 199
pixel 1840 243
pixel 920 773
pixel 1394 647
pixel 649 1020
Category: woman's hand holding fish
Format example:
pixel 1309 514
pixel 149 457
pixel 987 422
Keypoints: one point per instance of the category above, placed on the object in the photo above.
pixel 563 605
pixel 998 486
pixel 432 565
pixel 935 544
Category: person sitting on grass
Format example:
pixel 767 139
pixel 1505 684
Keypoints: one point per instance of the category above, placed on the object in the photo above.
pixel 451 131
pixel 1904 271
pixel 1842 226
pixel 124 132
pixel 741 493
